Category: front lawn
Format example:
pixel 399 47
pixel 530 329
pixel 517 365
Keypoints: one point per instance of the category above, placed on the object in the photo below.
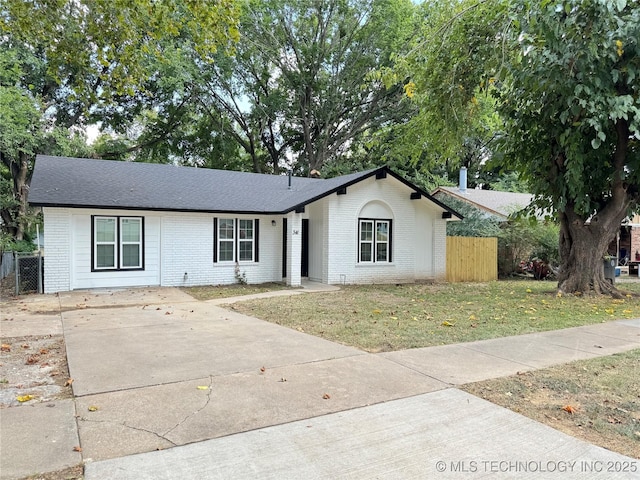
pixel 210 292
pixel 393 317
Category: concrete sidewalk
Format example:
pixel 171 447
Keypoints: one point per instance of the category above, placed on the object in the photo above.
pixel 185 389
pixel 447 434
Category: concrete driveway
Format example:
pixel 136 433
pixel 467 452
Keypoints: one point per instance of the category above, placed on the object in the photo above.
pixel 171 371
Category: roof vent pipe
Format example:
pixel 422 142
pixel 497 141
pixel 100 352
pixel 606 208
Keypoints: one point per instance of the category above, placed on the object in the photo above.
pixel 462 185
pixel 290 174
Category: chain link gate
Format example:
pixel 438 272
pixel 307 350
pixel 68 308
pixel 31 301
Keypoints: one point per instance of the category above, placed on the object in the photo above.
pixel 29 272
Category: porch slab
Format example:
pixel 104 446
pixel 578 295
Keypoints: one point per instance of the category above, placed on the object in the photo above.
pixel 111 297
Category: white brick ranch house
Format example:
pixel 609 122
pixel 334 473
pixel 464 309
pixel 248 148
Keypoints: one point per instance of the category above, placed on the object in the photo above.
pixel 124 224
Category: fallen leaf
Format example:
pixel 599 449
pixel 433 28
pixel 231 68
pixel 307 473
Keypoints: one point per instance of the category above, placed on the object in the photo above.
pixel 569 409
pixel 447 324
pixel 394 318
pixel 167 313
pixel 5 347
pixel 77 449
pixel 31 359
pixel 68 382
pixel 24 398
pixel 472 317
pixel 202 387
pixel 92 408
pixel 25 345
pixel 43 351
pixel 326 396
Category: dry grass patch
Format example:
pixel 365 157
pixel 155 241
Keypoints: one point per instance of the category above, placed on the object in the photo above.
pixel 211 292
pixel 596 400
pixel 394 317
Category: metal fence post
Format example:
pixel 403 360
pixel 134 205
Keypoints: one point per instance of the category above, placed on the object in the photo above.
pixel 39 271
pixel 17 272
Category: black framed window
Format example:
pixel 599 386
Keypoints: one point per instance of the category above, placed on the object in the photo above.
pixel 118 243
pixel 374 240
pixel 235 240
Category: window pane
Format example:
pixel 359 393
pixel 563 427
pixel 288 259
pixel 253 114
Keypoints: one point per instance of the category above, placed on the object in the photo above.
pixel 366 231
pixel 225 253
pixel 365 252
pixel 105 229
pixel 130 229
pixel 382 231
pixel 245 228
pixel 246 251
pixel 381 252
pixel 131 255
pixel 225 229
pixel 105 256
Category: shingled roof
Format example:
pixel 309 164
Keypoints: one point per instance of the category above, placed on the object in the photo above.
pixel 501 204
pixel 90 183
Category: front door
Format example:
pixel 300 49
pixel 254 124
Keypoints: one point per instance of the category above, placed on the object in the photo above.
pixel 304 261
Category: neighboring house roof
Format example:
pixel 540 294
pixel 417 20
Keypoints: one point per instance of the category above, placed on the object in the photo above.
pixel 90 183
pixel 501 204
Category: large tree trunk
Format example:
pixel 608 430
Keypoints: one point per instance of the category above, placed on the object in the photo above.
pixel 14 218
pixel 582 248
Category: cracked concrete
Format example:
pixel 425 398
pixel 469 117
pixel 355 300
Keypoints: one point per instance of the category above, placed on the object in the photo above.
pixel 191 415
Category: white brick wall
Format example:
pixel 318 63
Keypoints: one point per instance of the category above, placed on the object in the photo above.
pixel 187 247
pixel 440 249
pixel 175 244
pixel 294 246
pixel 179 243
pixel 81 258
pixel 415 223
pixel 57 263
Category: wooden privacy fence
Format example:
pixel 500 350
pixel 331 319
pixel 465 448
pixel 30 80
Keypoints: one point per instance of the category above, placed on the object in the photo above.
pixel 472 259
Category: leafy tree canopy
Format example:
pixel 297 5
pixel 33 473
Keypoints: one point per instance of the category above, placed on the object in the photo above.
pixel 565 78
pixel 64 63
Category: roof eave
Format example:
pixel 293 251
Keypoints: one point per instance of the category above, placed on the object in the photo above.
pixel 154 209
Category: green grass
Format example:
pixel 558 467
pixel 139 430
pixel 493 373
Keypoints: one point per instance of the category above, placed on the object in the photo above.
pixel 389 317
pixel 603 393
pixel 211 292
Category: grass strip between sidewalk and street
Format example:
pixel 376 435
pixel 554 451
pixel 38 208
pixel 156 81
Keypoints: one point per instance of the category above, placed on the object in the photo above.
pixel 596 400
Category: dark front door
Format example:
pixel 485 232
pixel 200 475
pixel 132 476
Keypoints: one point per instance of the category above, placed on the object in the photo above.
pixel 284 248
pixel 304 265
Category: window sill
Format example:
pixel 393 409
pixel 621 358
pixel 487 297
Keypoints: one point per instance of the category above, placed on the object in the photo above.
pixel 233 264
pixel 375 264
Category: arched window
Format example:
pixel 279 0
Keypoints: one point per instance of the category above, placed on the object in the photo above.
pixel 375 231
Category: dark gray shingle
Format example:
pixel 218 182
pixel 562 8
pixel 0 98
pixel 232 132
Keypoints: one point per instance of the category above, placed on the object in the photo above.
pixel 81 182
